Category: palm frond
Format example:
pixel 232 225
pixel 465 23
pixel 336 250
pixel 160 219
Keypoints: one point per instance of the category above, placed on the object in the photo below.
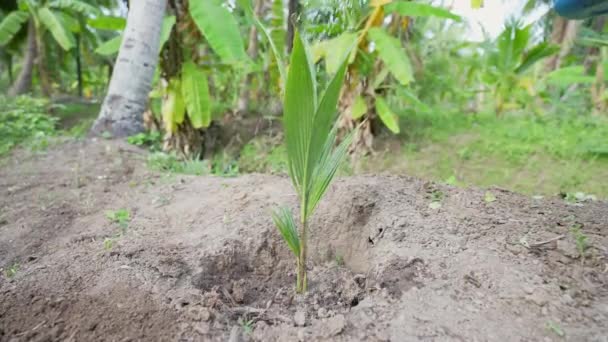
pixel 286 225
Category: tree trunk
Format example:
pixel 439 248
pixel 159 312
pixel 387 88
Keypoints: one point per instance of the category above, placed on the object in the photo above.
pixel 252 51
pixel 43 75
pixel 23 84
pixel 563 34
pixel 127 97
pixel 78 65
pixel 292 20
pixel 9 66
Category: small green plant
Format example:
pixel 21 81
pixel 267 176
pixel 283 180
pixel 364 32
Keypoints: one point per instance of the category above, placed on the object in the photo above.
pixel 169 162
pixel 25 119
pixel 246 324
pixel 11 271
pixel 436 198
pixel 555 328
pixel 152 140
pixel 339 260
pixel 580 240
pixel 310 140
pixel 108 243
pixel 489 197
pixel 120 216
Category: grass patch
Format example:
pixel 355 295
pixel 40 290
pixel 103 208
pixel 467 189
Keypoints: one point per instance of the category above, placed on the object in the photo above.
pixel 531 155
pixel 25 120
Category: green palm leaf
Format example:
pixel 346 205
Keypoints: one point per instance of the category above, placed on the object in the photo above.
pixel 328 167
pixel 11 25
pixel 393 55
pixel 284 221
pixel 51 22
pixel 195 91
pixel 220 29
pixel 299 111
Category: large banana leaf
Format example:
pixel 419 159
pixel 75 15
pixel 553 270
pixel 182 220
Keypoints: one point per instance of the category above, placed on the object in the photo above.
pixel 220 29
pixel 195 91
pixel 569 75
pixel 165 32
pixel 535 54
pixel 70 23
pixel 511 44
pixel 393 55
pixel 107 23
pixel 110 47
pixel 386 115
pixel 173 108
pixel 417 9
pixel 75 5
pixel 333 50
pixel 11 25
pixel 53 23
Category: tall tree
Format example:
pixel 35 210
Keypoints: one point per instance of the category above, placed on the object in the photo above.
pixel 127 97
pixel 23 84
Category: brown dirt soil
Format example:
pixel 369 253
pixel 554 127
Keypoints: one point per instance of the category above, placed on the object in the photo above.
pixel 200 259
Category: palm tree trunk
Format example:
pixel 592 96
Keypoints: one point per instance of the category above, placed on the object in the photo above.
pixel 563 34
pixel 43 74
pixel 9 66
pixel 78 65
pixel 127 97
pixel 23 84
pixel 292 20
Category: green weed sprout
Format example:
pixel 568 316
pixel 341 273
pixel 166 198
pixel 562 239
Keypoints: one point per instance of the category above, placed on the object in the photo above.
pixel 310 137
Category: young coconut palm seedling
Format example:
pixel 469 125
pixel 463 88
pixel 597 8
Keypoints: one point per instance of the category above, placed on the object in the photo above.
pixel 310 138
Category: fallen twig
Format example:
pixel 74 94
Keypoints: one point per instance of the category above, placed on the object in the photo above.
pixel 542 243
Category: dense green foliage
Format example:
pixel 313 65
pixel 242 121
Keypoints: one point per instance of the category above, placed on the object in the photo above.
pixel 24 119
pixel 430 102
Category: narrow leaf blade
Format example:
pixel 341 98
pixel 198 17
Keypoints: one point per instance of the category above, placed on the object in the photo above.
pixel 299 110
pixel 286 225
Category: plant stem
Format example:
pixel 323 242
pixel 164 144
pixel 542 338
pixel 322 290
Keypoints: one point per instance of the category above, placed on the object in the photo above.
pixel 301 283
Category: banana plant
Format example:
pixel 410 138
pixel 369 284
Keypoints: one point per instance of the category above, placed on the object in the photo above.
pixel 508 61
pixel 48 16
pixel 380 54
pixel 183 76
pixel 310 139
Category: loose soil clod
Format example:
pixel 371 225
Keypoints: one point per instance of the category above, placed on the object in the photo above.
pixel 208 264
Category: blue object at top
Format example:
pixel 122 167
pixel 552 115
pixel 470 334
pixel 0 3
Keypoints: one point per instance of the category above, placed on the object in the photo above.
pixel 580 9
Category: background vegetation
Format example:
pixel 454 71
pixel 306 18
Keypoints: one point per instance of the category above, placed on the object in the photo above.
pixel 524 110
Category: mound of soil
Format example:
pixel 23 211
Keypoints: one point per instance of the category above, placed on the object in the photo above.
pixel 393 258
